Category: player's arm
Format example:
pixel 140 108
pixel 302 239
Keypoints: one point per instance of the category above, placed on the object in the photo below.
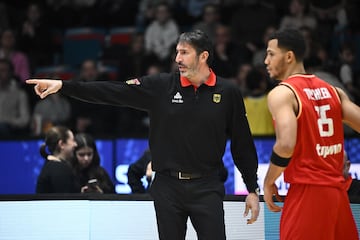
pixel 283 107
pixel 351 111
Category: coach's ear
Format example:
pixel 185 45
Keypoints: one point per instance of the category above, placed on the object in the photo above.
pixel 204 56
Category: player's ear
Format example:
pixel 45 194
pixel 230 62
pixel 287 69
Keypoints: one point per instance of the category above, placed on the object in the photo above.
pixel 290 56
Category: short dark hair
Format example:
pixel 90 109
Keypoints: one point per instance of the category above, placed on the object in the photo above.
pixel 199 41
pixel 291 40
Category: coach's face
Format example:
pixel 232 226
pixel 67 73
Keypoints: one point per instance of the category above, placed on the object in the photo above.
pixel 276 60
pixel 187 60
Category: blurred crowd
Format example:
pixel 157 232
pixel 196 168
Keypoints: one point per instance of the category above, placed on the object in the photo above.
pixel 32 39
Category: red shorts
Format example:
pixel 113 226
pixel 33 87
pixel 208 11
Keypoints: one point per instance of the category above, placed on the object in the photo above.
pixel 317 212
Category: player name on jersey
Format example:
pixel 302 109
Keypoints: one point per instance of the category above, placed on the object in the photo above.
pixel 317 93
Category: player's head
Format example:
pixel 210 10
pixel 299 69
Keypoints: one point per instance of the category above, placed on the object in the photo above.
pixel 286 49
pixel 290 40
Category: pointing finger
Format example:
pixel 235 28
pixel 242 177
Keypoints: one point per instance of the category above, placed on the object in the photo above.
pixel 32 81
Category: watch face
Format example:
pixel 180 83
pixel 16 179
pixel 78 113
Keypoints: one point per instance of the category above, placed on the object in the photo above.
pixel 257 191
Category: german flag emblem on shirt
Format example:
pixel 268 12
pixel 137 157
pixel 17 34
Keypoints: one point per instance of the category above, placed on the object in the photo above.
pixel 216 98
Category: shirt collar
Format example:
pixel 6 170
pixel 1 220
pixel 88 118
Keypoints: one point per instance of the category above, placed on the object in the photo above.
pixel 210 81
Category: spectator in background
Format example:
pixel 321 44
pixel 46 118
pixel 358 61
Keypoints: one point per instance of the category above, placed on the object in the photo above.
pixel 139 169
pixel 255 101
pixel 312 43
pixel 35 37
pixel 210 18
pixel 147 11
pixel 86 163
pixel 325 12
pixel 241 74
pixel 250 19
pixel 316 67
pixel 55 110
pixel 56 175
pixel 260 51
pixel 18 59
pixel 132 60
pixel 325 9
pixel 88 117
pixel 316 52
pixel 227 53
pixel 162 33
pixel 89 71
pixel 14 105
pixel 195 7
pixel 298 16
pixel 346 73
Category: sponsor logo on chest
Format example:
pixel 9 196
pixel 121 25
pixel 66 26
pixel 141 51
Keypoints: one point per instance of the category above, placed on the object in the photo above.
pixel 177 98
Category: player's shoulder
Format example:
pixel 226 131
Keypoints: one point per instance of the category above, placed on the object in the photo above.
pixel 280 91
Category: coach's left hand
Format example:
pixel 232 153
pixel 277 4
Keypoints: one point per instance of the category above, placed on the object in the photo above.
pixel 252 204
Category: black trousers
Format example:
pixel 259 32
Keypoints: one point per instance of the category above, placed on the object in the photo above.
pixel 201 200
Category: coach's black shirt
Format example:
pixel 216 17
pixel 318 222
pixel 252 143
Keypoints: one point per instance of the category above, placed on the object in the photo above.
pixel 189 126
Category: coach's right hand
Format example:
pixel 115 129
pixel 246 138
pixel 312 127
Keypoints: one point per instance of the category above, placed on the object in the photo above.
pixel 45 87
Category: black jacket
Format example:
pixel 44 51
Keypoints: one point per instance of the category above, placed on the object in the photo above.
pixel 188 128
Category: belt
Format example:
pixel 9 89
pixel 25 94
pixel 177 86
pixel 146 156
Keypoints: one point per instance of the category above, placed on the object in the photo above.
pixel 184 176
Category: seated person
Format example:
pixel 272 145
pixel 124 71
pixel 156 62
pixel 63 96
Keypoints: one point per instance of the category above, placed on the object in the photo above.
pixel 86 163
pixel 56 175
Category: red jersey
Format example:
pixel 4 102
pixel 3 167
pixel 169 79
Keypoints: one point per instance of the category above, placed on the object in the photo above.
pixel 318 154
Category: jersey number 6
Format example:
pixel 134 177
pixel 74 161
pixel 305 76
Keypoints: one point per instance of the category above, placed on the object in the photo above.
pixel 325 124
